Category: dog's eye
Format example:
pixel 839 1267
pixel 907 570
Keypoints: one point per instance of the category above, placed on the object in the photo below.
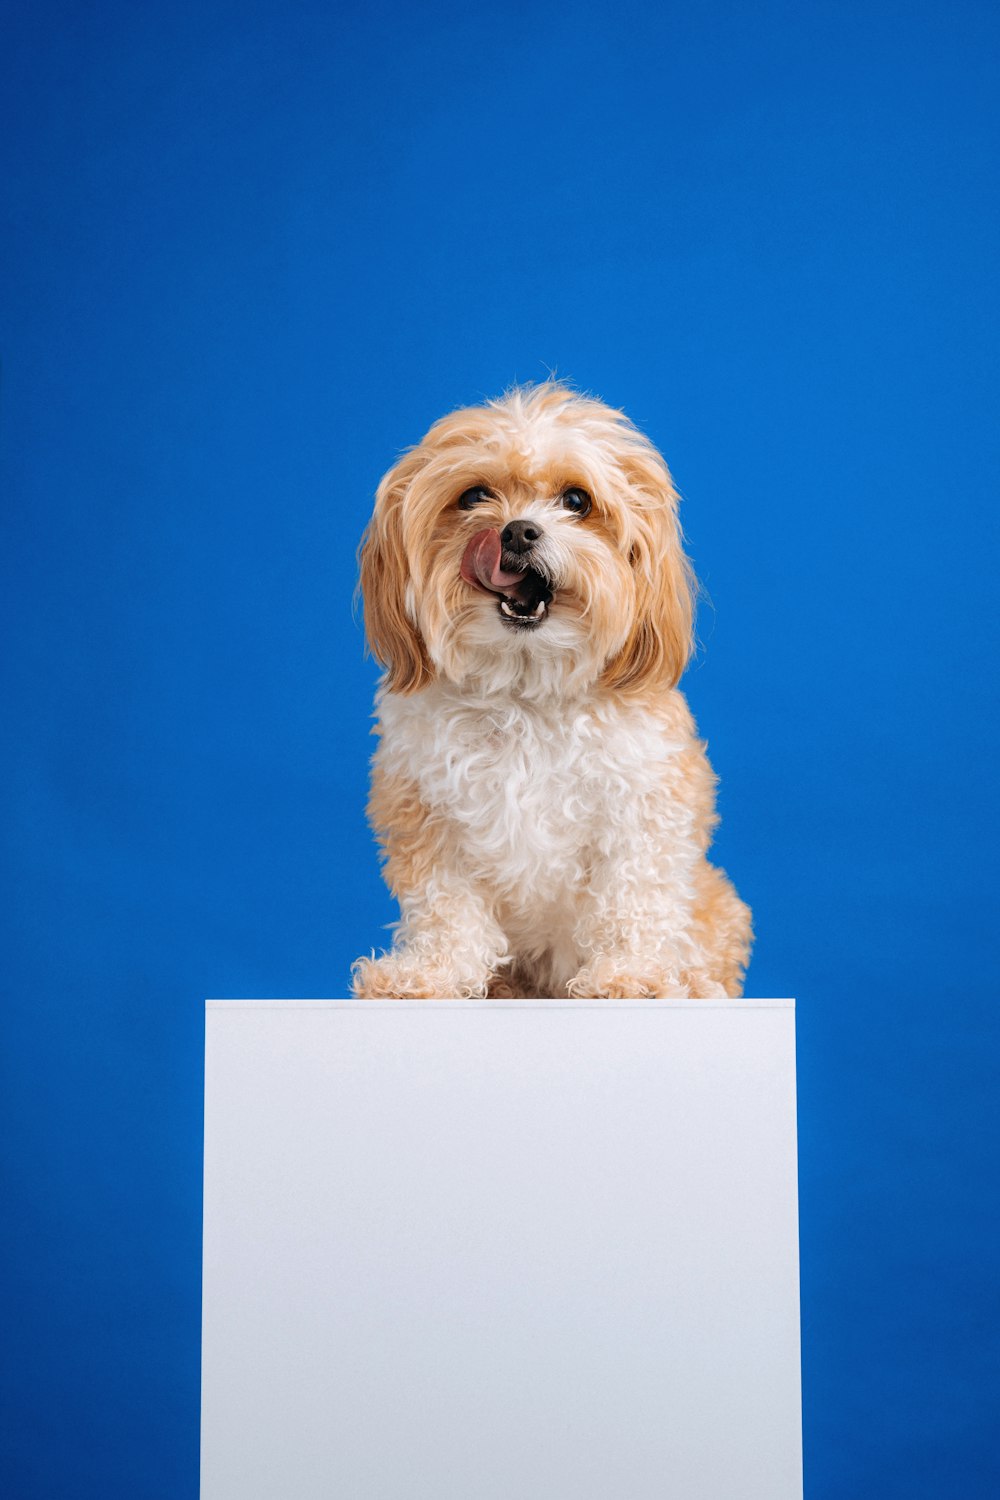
pixel 578 501
pixel 468 498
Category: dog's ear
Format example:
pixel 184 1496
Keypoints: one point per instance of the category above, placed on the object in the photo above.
pixel 383 575
pixel 660 640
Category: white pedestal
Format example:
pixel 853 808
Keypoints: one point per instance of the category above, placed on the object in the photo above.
pixel 500 1251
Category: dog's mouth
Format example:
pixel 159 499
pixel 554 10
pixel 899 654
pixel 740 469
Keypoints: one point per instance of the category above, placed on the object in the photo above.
pixel 529 604
pixel 522 590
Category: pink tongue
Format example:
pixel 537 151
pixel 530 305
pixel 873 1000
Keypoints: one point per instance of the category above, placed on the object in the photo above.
pixel 481 564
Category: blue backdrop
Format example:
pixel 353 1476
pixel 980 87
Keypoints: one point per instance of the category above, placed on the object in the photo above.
pixel 250 251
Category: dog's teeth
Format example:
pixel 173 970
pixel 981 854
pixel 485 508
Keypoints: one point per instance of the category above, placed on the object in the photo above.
pixel 519 614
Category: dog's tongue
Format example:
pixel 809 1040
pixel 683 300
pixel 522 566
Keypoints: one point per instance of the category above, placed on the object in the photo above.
pixel 481 564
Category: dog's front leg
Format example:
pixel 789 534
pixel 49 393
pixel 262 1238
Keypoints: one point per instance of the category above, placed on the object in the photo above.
pixel 642 950
pixel 448 943
pixel 448 946
pixel 616 973
pixel 634 931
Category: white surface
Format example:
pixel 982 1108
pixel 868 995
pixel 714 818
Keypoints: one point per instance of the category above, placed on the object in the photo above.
pixel 500 1251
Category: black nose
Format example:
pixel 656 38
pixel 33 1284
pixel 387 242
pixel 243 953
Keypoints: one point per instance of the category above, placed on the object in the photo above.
pixel 519 536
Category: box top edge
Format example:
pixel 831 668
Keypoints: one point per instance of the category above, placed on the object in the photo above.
pixel 432 1005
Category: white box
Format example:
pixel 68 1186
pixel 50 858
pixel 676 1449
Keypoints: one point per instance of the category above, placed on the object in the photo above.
pixel 508 1250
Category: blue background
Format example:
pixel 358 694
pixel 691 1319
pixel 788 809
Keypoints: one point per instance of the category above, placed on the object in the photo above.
pixel 250 251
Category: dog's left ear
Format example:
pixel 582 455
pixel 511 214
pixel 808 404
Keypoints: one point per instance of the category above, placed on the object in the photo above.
pixel 393 637
pixel 660 641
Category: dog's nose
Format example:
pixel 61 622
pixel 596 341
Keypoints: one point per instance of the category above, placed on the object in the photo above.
pixel 519 536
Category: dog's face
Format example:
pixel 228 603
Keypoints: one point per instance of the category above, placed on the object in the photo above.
pixel 536 535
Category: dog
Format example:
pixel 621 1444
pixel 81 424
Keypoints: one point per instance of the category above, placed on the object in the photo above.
pixel 541 799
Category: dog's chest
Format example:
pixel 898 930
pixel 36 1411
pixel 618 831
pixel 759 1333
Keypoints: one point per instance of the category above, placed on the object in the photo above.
pixel 533 794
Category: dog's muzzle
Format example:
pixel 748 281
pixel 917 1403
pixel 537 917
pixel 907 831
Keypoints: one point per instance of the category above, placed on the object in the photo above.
pixel 498 563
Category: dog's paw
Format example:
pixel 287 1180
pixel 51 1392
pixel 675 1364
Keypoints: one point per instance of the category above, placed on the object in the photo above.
pixel 509 984
pixel 700 987
pixel 400 978
pixel 609 979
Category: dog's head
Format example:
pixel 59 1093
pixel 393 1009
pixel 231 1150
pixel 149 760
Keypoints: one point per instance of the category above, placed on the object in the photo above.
pixel 536 536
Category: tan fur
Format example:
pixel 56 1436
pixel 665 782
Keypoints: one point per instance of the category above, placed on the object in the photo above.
pixel 383 570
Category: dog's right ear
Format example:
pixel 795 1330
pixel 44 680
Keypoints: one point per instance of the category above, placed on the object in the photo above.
pixel 393 637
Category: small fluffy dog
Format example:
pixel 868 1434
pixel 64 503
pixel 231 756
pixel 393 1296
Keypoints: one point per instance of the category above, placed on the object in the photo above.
pixel 539 793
